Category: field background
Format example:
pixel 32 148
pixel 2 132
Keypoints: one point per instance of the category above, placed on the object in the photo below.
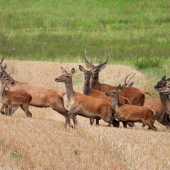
pixel 40 36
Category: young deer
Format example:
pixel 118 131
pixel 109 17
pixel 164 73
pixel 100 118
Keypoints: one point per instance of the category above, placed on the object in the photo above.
pixel 41 96
pixel 135 95
pixel 132 113
pixel 83 105
pixel 11 99
pixel 99 94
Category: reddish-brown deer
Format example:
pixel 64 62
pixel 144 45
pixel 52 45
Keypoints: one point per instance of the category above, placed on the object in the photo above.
pixel 135 95
pixel 99 94
pixel 83 105
pixel 41 96
pixel 11 99
pixel 132 113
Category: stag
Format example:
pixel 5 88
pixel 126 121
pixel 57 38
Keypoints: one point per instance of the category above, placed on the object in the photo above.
pixel 131 113
pixel 83 105
pixel 135 95
pixel 11 99
pixel 41 96
pixel 99 94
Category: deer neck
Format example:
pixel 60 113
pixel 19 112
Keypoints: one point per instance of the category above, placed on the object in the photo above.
pixel 115 103
pixel 94 83
pixel 69 89
pixel 165 101
pixel 2 93
pixel 86 88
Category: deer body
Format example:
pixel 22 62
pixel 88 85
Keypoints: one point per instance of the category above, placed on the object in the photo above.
pixel 161 114
pixel 132 113
pixel 83 105
pixel 11 99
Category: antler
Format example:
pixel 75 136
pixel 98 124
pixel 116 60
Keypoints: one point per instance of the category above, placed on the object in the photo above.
pixel 88 64
pixel 3 57
pixel 107 56
pixel 126 83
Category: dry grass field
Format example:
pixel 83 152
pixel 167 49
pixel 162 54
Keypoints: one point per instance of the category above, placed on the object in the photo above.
pixel 42 142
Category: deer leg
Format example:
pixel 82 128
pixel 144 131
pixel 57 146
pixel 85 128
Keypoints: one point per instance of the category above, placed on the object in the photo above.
pixel 25 107
pixel 14 109
pixel 124 124
pixel 150 124
pixel 91 121
pixel 131 124
pixel 115 123
pixel 97 121
pixel 2 109
pixel 111 120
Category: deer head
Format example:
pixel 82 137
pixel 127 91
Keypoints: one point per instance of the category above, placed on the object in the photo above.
pixel 95 69
pixel 113 93
pixel 87 74
pixel 165 90
pixel 162 82
pixel 66 76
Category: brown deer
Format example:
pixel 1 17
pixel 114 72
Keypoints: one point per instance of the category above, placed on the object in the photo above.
pixel 161 114
pixel 83 105
pixel 99 94
pixel 41 96
pixel 135 95
pixel 132 113
pixel 11 99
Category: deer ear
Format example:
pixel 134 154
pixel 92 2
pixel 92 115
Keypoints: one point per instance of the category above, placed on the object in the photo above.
pixel 163 78
pixel 5 66
pixel 72 70
pixel 81 68
pixel 64 71
pixel 103 66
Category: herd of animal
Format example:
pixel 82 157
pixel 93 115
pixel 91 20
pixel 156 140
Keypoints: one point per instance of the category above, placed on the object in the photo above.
pixel 113 104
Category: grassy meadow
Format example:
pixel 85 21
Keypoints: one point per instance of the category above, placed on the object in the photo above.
pixel 40 36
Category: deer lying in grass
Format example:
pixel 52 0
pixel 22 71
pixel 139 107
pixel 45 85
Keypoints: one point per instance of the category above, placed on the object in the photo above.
pixel 83 105
pixel 11 99
pixel 99 94
pixel 135 95
pixel 132 113
pixel 41 96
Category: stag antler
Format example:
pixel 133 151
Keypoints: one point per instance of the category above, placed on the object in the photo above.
pixel 107 56
pixel 88 64
pixel 126 83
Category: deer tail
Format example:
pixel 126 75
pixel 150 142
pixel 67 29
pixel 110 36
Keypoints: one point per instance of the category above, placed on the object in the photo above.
pixel 146 92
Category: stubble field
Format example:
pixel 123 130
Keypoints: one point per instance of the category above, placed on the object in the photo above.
pixel 42 142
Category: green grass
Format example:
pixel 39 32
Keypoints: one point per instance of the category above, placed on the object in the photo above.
pixel 132 30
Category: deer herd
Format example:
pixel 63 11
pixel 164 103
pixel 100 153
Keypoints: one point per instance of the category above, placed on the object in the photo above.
pixel 113 104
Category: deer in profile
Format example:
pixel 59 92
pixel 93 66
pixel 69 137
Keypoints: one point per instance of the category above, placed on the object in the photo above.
pixel 41 96
pixel 83 105
pixel 135 95
pixel 131 113
pixel 11 99
pixel 99 94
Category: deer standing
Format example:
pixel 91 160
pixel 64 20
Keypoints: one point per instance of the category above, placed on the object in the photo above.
pixel 99 94
pixel 83 105
pixel 135 95
pixel 41 96
pixel 11 99
pixel 132 113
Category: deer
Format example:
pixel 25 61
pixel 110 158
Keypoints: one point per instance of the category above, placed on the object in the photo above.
pixel 125 112
pixel 135 95
pixel 99 94
pixel 163 91
pixel 41 96
pixel 11 99
pixel 161 114
pixel 81 104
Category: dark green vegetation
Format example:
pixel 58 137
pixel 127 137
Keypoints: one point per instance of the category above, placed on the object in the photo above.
pixel 136 32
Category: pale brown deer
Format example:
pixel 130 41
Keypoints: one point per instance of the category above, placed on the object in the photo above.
pixel 135 95
pixel 11 99
pixel 99 94
pixel 132 113
pixel 83 105
pixel 41 96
